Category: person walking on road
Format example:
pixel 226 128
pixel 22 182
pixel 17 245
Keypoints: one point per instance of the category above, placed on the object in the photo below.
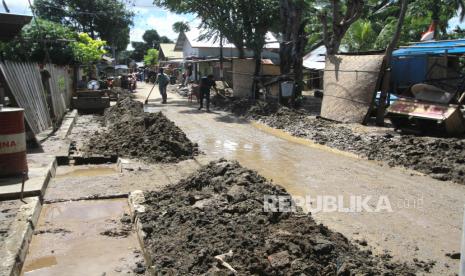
pixel 163 81
pixel 206 83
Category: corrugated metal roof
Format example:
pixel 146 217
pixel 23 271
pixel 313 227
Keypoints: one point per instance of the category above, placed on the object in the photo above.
pixel 315 59
pixel 193 37
pixel 169 52
pixel 433 48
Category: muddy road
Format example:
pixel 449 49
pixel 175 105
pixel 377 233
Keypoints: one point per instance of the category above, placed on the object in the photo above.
pixel 426 218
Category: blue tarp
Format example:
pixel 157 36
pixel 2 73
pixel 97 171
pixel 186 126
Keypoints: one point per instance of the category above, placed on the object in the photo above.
pixel 432 48
pixel 410 64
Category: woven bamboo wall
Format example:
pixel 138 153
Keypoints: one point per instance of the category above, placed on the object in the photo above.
pixel 349 85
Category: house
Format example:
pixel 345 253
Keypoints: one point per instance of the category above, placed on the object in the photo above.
pixel 193 48
pixel 314 62
pixel 201 57
pixel 167 52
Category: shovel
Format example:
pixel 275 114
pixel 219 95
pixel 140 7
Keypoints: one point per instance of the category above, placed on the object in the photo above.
pixel 150 93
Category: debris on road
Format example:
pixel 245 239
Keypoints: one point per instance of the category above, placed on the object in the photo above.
pixel 147 136
pixel 220 209
pixel 123 110
pixel 441 158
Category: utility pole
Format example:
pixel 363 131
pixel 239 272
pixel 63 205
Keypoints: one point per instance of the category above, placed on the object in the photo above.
pixel 114 54
pixel 221 58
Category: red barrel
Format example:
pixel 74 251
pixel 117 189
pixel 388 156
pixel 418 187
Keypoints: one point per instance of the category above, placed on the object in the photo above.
pixel 12 142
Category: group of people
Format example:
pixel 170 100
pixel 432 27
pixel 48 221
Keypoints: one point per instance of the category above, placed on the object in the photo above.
pixel 206 84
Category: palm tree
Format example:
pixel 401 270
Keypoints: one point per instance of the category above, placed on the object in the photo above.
pixel 436 8
pixel 181 26
pixel 360 36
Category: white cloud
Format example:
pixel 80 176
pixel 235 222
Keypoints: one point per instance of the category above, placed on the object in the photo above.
pixel 17 6
pixel 164 24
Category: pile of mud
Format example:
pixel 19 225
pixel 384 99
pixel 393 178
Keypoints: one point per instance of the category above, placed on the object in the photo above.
pixel 123 110
pixel 121 93
pixel 214 223
pixel 147 136
pixel 441 158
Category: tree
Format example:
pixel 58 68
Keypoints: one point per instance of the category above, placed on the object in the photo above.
pixel 383 17
pixel 39 38
pixel 360 36
pixel 293 40
pixel 105 19
pixel 139 49
pixel 87 50
pixel 336 18
pixel 151 40
pixel 44 41
pixel 220 18
pixel 181 27
pixel 243 23
pixel 151 58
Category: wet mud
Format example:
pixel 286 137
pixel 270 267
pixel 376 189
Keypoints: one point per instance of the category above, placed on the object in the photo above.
pixel 441 158
pixel 146 136
pixel 216 218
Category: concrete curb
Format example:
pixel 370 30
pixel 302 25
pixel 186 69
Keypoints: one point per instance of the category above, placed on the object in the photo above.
pixel 13 254
pixel 67 124
pixel 136 207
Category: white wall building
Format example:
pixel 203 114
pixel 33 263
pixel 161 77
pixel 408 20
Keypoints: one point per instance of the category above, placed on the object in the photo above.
pixel 192 47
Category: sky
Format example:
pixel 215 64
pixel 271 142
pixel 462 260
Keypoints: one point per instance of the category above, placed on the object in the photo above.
pixel 147 16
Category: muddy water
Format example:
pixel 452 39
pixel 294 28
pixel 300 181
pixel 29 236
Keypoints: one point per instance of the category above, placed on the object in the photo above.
pixel 72 243
pixel 419 203
pixel 80 171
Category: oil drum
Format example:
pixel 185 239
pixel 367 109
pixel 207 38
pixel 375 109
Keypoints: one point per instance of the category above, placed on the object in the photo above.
pixel 12 142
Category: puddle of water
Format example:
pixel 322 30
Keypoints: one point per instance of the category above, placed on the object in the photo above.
pixel 152 109
pixel 82 250
pixel 69 171
pixel 301 141
pixel 47 261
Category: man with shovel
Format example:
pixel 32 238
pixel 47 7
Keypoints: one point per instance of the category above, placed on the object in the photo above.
pixel 163 81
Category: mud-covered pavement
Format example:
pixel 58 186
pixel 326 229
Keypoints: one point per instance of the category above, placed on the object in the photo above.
pixel 441 158
pixel 427 214
pixel 84 238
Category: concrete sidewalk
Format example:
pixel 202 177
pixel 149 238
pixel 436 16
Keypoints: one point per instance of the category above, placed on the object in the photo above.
pixel 18 218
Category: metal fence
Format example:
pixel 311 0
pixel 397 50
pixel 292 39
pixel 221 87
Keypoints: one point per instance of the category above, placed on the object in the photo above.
pixel 25 83
pixel 60 89
pixel 24 80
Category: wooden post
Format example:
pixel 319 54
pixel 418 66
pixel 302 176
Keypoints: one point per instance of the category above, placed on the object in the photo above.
pixel 462 249
pixel 387 61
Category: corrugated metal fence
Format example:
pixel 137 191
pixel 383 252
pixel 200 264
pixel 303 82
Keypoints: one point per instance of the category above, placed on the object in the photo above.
pixel 25 83
pixel 60 89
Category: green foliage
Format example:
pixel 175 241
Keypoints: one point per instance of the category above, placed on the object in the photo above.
pixel 243 23
pixel 377 25
pixel 105 19
pixel 38 38
pixel 181 26
pixel 151 58
pixel 87 50
pixel 360 36
pixel 151 40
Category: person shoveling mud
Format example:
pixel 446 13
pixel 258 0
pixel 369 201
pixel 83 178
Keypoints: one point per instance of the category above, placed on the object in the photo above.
pixel 134 134
pixel 214 223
